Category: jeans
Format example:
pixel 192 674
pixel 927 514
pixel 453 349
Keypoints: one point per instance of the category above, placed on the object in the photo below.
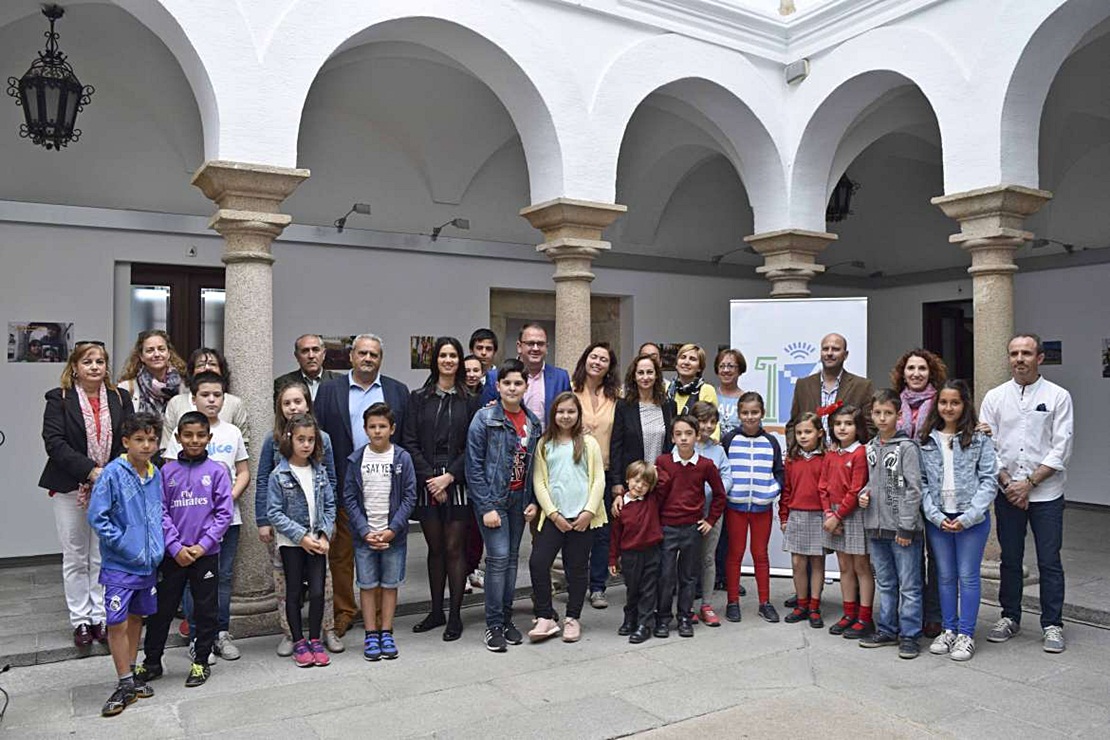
pixel 599 552
pixel 229 545
pixel 709 561
pixel 1047 521
pixel 575 547
pixel 897 586
pixel 680 561
pixel 502 556
pixel 958 557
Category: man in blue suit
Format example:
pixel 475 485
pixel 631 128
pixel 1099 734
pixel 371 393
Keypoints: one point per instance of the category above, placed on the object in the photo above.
pixel 544 381
pixel 339 406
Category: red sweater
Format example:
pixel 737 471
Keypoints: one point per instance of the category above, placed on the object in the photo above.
pixel 800 490
pixel 843 475
pixel 637 528
pixel 682 490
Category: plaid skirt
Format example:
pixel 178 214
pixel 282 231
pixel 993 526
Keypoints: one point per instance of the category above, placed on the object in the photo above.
pixel 804 535
pixel 854 539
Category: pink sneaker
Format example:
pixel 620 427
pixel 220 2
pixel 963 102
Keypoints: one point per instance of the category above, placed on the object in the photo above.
pixel 571 630
pixel 302 654
pixel 319 653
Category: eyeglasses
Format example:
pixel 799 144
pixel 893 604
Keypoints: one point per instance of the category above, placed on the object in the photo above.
pixel 724 366
pixel 534 343
pixel 95 342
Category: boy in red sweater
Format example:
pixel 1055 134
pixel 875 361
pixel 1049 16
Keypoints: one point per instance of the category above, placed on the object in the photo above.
pixel 635 537
pixel 683 476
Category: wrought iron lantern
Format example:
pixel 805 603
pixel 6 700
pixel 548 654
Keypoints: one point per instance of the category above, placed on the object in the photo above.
pixel 50 93
pixel 840 204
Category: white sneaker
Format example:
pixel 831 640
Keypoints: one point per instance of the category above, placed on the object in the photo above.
pixel 963 649
pixel 477 578
pixel 1054 639
pixel 285 647
pixel 225 648
pixel 943 644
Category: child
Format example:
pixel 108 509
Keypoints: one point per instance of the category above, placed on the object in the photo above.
pixel 757 473
pixel 300 504
pixel 125 512
pixel 569 484
pixel 636 535
pixel 378 496
pixel 959 467
pixel 843 476
pixel 292 398
pixel 227 447
pixel 706 414
pixel 801 519
pixel 196 512
pixel 891 506
pixel 500 444
pixel 683 475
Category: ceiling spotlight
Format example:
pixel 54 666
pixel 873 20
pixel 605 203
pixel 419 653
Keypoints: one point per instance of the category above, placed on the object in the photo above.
pixel 1045 242
pixel 341 222
pixel 458 223
pixel 747 249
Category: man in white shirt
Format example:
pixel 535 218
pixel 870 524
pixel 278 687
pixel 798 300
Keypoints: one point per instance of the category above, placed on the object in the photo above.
pixel 1031 421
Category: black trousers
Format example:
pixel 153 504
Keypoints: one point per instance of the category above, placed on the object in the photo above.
pixel 640 569
pixel 203 579
pixel 575 547
pixel 681 563
pixel 302 567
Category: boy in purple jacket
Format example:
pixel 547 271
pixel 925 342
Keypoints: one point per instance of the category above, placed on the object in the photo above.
pixel 196 512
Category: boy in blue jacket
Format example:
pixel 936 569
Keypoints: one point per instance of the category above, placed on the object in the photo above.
pixel 125 511
pixel 379 493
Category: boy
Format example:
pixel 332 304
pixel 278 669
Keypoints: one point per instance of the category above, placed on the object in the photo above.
pixel 125 511
pixel 196 512
pixel 379 494
pixel 226 447
pixel 706 446
pixel 636 535
pixel 500 446
pixel 683 475
pixel 891 504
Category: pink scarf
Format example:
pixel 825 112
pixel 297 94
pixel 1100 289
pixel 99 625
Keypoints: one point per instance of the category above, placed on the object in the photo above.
pixel 915 409
pixel 99 442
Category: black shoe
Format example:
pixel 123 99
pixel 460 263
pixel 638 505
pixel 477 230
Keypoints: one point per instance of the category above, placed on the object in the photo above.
pixel 118 701
pixel 142 689
pixel 767 612
pixel 642 634
pixel 662 628
pixel 792 602
pixel 148 671
pixel 430 622
pixel 797 614
pixel 743 591
pixel 685 627
pixel 732 612
pixel 859 630
pixel 627 628
pixel 841 625
pixel 877 640
pixel 512 634
pixel 454 629
pixel 815 620
pixel 198 674
pixel 495 639
pixel 931 629
pixel 908 649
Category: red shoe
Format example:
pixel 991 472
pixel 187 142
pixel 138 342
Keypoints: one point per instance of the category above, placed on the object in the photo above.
pixel 319 653
pixel 82 636
pixel 183 628
pixel 708 616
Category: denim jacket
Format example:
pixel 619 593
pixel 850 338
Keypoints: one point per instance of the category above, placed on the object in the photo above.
pixel 490 445
pixel 974 470
pixel 287 509
pixel 402 495
pixel 269 459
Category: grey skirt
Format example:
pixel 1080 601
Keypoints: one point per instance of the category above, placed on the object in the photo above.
pixel 804 535
pixel 854 539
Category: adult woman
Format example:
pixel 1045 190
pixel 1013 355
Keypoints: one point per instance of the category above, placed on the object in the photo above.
pixel 688 386
pixel 597 386
pixel 153 372
pixel 641 422
pixel 81 430
pixel 207 360
pixel 729 365
pixel 435 432
pixel 916 377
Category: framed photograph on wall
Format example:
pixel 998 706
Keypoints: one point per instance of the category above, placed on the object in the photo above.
pixel 420 351
pixel 337 351
pixel 39 341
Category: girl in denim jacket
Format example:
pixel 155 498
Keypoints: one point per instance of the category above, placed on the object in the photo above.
pixel 959 471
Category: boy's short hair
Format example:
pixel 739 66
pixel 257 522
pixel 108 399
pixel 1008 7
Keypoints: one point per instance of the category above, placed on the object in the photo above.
pixel 193 417
pixel 207 377
pixel 750 397
pixel 688 419
pixel 143 421
pixel 887 396
pixel 481 334
pixel 704 411
pixel 642 469
pixel 511 365
pixel 382 409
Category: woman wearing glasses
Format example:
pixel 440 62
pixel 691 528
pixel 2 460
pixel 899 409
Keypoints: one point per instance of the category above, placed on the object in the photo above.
pixel 729 365
pixel 205 360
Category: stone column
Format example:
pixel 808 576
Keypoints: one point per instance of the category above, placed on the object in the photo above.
pixel 790 259
pixel 248 197
pixel 572 239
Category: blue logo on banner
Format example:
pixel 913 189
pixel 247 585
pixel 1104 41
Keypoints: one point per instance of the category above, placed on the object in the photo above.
pixel 782 372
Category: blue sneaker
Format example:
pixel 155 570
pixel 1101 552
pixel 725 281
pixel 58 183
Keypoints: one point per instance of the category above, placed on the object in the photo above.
pixel 372 647
pixel 389 647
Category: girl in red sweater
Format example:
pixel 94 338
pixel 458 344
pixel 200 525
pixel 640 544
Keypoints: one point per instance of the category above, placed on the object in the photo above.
pixel 843 475
pixel 801 518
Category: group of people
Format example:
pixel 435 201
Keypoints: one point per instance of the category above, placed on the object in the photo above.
pixel 662 482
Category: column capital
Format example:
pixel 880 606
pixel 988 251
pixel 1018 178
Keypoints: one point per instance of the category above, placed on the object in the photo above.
pixel 567 218
pixel 242 186
pixel 790 259
pixel 998 211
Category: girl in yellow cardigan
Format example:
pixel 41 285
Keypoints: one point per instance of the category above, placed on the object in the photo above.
pixel 568 480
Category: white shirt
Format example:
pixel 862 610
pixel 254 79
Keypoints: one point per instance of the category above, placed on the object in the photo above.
pixel 227 447
pixel 678 458
pixel 377 478
pixel 948 501
pixel 306 479
pixel 1032 426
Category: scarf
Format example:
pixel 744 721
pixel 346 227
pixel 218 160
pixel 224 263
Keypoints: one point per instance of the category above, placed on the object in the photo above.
pixel 99 442
pixel 920 402
pixel 691 390
pixel 154 394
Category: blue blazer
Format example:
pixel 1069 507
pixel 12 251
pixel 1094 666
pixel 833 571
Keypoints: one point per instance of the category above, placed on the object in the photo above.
pixel 556 380
pixel 332 411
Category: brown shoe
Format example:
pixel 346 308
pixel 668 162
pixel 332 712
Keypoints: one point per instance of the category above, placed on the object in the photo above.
pixel 341 627
pixel 82 636
pixel 99 633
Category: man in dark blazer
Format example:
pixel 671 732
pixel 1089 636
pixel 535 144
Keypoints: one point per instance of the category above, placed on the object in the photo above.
pixel 339 407
pixel 531 348
pixel 832 384
pixel 309 352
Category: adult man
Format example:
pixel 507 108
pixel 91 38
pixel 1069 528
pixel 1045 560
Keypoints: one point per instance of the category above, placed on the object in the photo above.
pixel 483 345
pixel 832 384
pixel 651 349
pixel 544 381
pixel 1031 421
pixel 339 407
pixel 309 352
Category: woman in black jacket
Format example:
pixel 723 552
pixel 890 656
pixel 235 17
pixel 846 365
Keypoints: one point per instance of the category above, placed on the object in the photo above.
pixel 641 422
pixel 80 428
pixel 435 431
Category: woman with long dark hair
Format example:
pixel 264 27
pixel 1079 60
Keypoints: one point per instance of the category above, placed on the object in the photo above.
pixel 206 360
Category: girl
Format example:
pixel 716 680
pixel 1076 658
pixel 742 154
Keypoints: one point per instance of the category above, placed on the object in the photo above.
pixel 843 476
pixel 800 518
pixel 292 399
pixel 960 468
pixel 569 485
pixel 153 372
pixel 474 374
pixel 688 386
pixel 301 508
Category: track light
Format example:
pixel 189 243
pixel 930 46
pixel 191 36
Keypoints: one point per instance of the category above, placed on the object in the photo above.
pixel 858 264
pixel 458 223
pixel 341 222
pixel 747 249
pixel 1045 242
